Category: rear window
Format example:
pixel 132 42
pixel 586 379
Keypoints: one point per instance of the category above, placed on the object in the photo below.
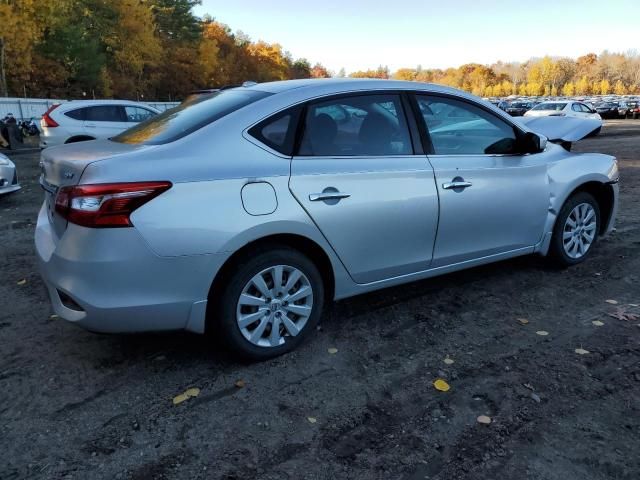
pixel 189 116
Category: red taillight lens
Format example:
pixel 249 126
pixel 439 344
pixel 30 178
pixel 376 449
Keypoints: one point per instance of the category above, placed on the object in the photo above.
pixel 50 122
pixel 106 205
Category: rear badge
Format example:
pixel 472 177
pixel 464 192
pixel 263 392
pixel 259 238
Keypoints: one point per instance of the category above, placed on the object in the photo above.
pixel 69 175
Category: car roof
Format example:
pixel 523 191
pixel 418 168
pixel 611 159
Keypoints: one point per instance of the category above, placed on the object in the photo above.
pixel 348 84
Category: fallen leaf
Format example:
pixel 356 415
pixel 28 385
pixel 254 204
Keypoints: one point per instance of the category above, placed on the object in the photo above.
pixel 634 305
pixel 528 385
pixel 483 419
pixel 598 323
pixel 53 316
pixel 332 351
pixel 312 419
pixel 581 351
pixel 191 392
pixel 239 384
pixel 22 282
pixel 448 361
pixel 523 321
pixel 441 385
pixel 612 302
pixel 542 333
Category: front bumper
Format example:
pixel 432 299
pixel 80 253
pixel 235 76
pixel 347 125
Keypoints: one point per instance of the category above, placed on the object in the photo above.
pixel 109 280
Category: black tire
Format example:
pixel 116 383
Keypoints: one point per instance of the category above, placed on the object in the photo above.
pixel 225 327
pixel 557 252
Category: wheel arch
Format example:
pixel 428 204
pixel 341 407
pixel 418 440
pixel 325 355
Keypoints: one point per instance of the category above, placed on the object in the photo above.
pixel 604 195
pixel 298 242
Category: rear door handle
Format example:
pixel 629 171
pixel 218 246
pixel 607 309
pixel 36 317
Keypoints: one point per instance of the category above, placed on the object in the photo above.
pixel 456 184
pixel 316 197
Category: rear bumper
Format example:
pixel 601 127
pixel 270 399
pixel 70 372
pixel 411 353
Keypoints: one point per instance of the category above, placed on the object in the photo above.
pixel 109 280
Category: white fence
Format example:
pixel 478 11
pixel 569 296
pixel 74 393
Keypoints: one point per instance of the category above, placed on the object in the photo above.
pixel 27 108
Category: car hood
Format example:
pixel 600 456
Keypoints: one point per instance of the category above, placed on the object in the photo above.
pixel 562 129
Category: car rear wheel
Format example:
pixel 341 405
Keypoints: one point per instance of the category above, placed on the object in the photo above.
pixel 576 230
pixel 270 305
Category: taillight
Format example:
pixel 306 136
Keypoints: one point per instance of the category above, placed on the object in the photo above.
pixel 105 205
pixel 50 122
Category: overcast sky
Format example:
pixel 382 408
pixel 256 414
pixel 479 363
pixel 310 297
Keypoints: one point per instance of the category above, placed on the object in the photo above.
pixel 362 34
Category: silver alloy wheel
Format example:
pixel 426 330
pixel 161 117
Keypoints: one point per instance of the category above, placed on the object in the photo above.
pixel 579 230
pixel 274 304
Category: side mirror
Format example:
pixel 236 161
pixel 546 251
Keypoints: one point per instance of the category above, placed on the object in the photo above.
pixel 533 143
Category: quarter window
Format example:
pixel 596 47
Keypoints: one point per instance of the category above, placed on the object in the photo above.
pixel 278 131
pixel 459 128
pixel 363 125
pixel 77 114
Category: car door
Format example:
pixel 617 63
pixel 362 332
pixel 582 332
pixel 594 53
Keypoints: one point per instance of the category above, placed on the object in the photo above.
pixel 492 199
pixel 105 121
pixel 358 178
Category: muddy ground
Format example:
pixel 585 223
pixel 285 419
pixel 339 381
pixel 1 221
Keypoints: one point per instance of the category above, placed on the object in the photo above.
pixel 79 405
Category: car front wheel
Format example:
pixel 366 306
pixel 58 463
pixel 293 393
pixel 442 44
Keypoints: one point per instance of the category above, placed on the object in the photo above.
pixel 576 230
pixel 271 303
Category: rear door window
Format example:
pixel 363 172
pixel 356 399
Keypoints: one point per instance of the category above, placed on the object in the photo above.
pixel 105 113
pixel 359 125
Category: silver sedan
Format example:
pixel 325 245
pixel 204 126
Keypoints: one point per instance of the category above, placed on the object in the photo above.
pixel 242 212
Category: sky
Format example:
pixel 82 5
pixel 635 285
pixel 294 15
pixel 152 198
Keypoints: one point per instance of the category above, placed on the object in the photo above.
pixel 361 34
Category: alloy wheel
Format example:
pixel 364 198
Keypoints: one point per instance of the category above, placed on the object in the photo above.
pixel 579 230
pixel 274 304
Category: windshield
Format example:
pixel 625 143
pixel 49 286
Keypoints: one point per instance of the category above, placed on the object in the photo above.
pixel 189 116
pixel 550 106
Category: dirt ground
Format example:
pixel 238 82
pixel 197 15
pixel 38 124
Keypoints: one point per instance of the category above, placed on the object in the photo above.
pixel 79 405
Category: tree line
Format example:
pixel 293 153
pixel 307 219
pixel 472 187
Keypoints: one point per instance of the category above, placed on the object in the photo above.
pixel 153 49
pixel 160 50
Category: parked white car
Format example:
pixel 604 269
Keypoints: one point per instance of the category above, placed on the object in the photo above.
pixel 563 109
pixel 8 176
pixel 82 120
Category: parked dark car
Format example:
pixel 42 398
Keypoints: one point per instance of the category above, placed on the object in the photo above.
pixel 633 110
pixel 607 109
pixel 518 109
pixel 623 108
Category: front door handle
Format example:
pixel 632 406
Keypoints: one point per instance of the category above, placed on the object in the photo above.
pixel 456 184
pixel 328 195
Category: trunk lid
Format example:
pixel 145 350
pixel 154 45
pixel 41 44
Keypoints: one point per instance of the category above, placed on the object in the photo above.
pixel 63 166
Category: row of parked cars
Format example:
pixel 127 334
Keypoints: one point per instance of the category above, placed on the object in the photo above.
pixel 586 108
